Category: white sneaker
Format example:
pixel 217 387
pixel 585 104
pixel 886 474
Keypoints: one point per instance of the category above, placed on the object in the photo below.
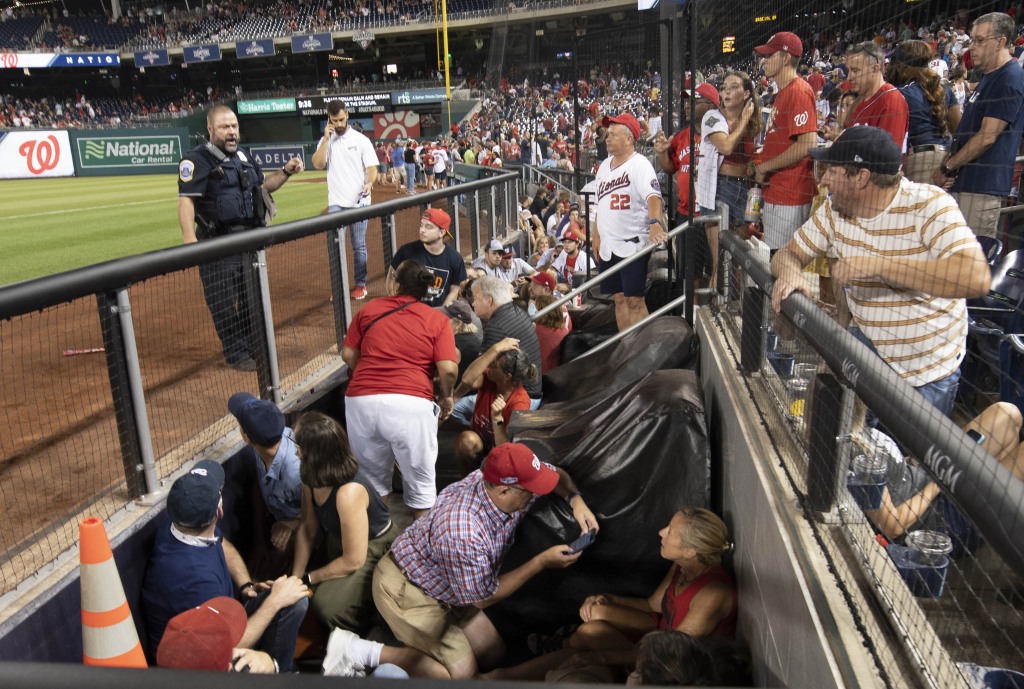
pixel 338 661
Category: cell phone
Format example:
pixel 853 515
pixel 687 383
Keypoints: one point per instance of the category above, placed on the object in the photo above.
pixel 977 436
pixel 583 541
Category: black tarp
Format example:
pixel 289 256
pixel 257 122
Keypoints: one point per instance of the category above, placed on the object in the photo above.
pixel 637 456
pixel 666 342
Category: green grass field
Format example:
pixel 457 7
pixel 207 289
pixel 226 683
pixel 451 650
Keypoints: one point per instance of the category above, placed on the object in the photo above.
pixel 53 225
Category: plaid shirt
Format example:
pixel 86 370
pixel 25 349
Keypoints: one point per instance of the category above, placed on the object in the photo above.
pixel 454 552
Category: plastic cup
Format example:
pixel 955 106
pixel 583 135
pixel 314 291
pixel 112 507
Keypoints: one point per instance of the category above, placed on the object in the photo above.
pixel 924 581
pixel 782 363
pixel 929 548
pixel 866 481
pixel 771 341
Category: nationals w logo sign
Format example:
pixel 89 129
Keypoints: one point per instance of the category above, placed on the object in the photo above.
pixel 34 154
pixel 41 155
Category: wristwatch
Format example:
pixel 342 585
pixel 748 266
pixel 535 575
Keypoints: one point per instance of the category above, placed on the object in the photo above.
pixel 947 172
pixel 654 221
pixel 499 422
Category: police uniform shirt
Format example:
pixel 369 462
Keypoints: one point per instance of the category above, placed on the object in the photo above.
pixel 224 191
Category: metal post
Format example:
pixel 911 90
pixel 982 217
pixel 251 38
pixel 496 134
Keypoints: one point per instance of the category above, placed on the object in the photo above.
pixel 825 421
pixel 394 241
pixel 753 334
pixel 339 285
pixel 586 230
pixel 251 302
pixel 268 327
pixel 387 239
pixel 131 355
pixel 476 214
pixel 120 389
pixel 494 217
pixel 458 232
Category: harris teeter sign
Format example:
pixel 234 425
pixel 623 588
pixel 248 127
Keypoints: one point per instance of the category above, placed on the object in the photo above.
pixel 128 152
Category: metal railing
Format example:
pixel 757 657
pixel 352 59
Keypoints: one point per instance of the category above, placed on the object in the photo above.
pixel 812 423
pixel 120 357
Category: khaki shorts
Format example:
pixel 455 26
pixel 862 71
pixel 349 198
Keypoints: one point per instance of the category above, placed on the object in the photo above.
pixel 981 211
pixel 418 620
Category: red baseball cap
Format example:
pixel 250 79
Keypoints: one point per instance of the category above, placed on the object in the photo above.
pixel 627 121
pixel 438 217
pixel 543 278
pixel 785 41
pixel 514 464
pixel 707 91
pixel 202 638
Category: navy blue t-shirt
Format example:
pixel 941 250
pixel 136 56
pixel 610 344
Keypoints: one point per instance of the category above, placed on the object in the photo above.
pixel 923 127
pixel 1000 94
pixel 180 577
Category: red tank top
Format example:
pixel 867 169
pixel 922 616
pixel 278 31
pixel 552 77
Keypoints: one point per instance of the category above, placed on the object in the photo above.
pixel 674 607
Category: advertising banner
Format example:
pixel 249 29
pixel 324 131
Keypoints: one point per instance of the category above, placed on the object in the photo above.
pixel 271 158
pixel 25 155
pixel 47 60
pixel 201 53
pixel 265 106
pixel 263 47
pixel 152 58
pixel 355 103
pixel 128 151
pixel 418 96
pixel 400 124
pixel 312 43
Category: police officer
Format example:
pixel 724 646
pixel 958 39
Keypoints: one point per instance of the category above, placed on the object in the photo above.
pixel 219 193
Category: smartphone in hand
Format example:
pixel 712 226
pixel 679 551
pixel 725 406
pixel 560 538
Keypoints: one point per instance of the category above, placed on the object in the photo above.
pixel 583 541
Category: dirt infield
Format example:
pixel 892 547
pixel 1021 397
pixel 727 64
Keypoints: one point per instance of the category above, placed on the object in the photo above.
pixel 61 455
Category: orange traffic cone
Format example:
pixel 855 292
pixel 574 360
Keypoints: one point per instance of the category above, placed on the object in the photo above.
pixel 108 631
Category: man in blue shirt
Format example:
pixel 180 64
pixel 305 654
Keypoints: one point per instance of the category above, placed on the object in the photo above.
pixel 191 563
pixel 276 458
pixel 979 171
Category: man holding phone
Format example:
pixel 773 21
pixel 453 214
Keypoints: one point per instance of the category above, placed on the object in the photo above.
pixel 443 572
pixel 351 164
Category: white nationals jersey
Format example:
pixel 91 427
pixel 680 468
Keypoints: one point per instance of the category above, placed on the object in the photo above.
pixel 622 194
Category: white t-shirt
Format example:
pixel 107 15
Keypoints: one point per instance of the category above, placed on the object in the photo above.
pixel 921 336
pixel 348 157
pixel 939 66
pixel 622 194
pixel 710 159
pixel 440 160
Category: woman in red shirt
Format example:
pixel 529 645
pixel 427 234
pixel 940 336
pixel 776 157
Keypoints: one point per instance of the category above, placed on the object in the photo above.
pixel 498 376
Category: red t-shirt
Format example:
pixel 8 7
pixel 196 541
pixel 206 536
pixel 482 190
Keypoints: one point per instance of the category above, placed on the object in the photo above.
pixel 886 109
pixel 398 354
pixel 560 147
pixel 794 114
pixel 679 154
pixel 816 80
pixel 550 340
pixel 519 400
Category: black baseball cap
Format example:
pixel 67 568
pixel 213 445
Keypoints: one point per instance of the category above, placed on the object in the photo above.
pixel 261 420
pixel 193 499
pixel 870 148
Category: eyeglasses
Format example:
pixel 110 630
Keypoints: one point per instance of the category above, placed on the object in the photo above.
pixel 978 40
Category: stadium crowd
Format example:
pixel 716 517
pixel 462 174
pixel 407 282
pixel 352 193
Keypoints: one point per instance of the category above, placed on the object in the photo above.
pixel 81 111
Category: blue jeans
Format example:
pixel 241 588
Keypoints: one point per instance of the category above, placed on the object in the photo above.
pixel 940 393
pixel 357 239
pixel 410 176
pixel 279 638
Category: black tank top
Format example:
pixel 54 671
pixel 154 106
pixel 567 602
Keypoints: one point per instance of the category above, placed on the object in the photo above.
pixel 377 511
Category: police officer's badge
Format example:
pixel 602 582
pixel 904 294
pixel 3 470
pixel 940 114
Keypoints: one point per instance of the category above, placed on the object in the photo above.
pixel 241 156
pixel 185 170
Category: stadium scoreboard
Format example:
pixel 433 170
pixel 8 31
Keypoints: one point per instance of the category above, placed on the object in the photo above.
pixel 355 103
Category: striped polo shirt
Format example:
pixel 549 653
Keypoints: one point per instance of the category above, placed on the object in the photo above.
pixel 922 337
